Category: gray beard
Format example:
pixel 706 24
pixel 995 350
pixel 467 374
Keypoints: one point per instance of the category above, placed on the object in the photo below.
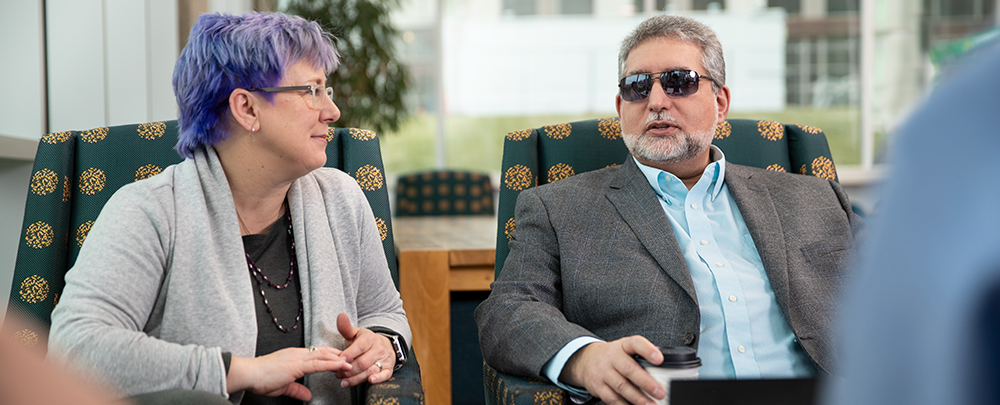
pixel 673 149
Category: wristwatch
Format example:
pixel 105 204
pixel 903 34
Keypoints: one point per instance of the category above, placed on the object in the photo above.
pixel 397 346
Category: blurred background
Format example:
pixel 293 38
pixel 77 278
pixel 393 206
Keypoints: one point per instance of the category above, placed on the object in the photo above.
pixel 442 81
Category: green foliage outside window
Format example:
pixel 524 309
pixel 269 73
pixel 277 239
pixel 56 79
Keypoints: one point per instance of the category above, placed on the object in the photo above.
pixel 369 85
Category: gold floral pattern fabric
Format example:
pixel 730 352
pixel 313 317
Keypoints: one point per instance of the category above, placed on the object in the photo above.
pixel 775 168
pixel 383 229
pixel 560 171
pixel 361 134
pixel 57 137
pixel 609 128
pixel 723 130
pixel 559 131
pixel 147 171
pixel 810 130
pixel 771 130
pixel 370 178
pixel 823 167
pixel 519 135
pixel 509 228
pixel 152 130
pixel 34 289
pixel 44 182
pixel 518 178
pixel 39 235
pixel 66 189
pixel 82 231
pixel 94 135
pixel 92 181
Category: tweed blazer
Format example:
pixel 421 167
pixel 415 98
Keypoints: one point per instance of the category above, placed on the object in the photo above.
pixel 594 255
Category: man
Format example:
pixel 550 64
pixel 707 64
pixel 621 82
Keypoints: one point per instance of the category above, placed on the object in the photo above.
pixel 675 247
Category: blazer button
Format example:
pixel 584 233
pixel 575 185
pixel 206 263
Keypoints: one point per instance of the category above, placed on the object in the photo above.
pixel 688 339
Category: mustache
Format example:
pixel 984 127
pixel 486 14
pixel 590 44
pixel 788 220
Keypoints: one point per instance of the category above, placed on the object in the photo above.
pixel 661 116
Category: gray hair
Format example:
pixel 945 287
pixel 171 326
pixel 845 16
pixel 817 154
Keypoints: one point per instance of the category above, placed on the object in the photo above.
pixel 684 29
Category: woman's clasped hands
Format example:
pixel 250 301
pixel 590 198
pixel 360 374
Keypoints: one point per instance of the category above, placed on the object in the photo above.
pixel 368 356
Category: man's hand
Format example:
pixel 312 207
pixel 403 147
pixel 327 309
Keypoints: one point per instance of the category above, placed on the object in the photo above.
pixel 608 371
pixel 366 351
pixel 275 374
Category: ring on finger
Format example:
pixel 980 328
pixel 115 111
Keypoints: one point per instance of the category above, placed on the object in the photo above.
pixel 379 365
pixel 313 348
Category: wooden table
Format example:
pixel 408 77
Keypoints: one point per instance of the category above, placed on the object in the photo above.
pixel 438 255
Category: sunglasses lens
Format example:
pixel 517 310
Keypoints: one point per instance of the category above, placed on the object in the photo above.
pixel 679 83
pixel 635 87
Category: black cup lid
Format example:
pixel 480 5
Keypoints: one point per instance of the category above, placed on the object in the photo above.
pixel 674 357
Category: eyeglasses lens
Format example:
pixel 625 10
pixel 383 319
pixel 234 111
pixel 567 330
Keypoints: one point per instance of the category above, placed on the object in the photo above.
pixel 678 83
pixel 318 92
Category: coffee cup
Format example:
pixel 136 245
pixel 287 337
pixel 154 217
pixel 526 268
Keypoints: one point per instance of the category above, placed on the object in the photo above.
pixel 679 363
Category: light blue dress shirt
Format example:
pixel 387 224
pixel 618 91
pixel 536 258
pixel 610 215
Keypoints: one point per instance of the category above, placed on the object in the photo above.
pixel 744 334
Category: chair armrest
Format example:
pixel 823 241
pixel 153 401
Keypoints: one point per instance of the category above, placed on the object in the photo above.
pixel 402 388
pixel 502 388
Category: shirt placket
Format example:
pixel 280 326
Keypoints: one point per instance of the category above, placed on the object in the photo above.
pixel 735 314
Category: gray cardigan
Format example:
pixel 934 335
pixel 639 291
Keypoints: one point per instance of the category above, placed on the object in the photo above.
pixel 161 288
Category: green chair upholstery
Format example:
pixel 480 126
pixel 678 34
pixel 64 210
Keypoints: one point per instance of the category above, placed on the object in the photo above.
pixel 76 172
pixel 543 155
pixel 444 192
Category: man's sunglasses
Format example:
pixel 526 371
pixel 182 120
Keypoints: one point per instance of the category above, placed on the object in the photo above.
pixel 676 83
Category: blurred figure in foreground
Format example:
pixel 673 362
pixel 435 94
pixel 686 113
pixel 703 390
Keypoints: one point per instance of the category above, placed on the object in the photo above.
pixel 921 319
pixel 26 379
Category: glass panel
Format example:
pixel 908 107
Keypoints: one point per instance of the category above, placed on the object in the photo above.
pixel 576 6
pixel 790 6
pixel 519 7
pixel 707 4
pixel 842 6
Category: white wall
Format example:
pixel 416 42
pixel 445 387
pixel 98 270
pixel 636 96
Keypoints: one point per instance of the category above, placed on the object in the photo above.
pixel 110 62
pixel 21 81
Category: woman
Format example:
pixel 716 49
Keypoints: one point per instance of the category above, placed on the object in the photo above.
pixel 166 295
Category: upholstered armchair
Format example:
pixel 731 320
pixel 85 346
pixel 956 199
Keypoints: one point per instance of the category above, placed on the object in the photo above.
pixel 444 192
pixel 533 157
pixel 76 172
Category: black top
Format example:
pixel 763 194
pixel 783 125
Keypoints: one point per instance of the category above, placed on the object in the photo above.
pixel 271 251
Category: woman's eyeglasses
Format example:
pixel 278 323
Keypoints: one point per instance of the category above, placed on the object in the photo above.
pixel 314 89
pixel 676 83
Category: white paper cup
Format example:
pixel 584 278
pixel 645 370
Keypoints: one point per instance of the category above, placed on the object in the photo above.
pixel 679 363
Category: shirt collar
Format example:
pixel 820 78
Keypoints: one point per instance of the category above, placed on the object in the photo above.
pixel 715 173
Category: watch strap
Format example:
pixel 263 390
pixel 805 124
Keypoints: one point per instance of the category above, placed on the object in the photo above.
pixel 398 346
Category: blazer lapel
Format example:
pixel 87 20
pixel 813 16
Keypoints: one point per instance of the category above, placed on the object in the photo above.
pixel 761 217
pixel 636 202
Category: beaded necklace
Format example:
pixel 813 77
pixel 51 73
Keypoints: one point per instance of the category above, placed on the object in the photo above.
pixel 258 275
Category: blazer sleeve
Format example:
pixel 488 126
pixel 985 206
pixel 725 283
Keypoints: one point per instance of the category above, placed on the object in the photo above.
pixel 521 324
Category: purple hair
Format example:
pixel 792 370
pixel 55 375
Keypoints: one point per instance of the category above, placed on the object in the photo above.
pixel 225 52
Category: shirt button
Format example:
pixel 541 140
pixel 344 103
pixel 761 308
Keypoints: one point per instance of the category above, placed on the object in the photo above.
pixel 719 264
pixel 741 349
pixel 704 242
pixel 694 206
pixel 732 298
